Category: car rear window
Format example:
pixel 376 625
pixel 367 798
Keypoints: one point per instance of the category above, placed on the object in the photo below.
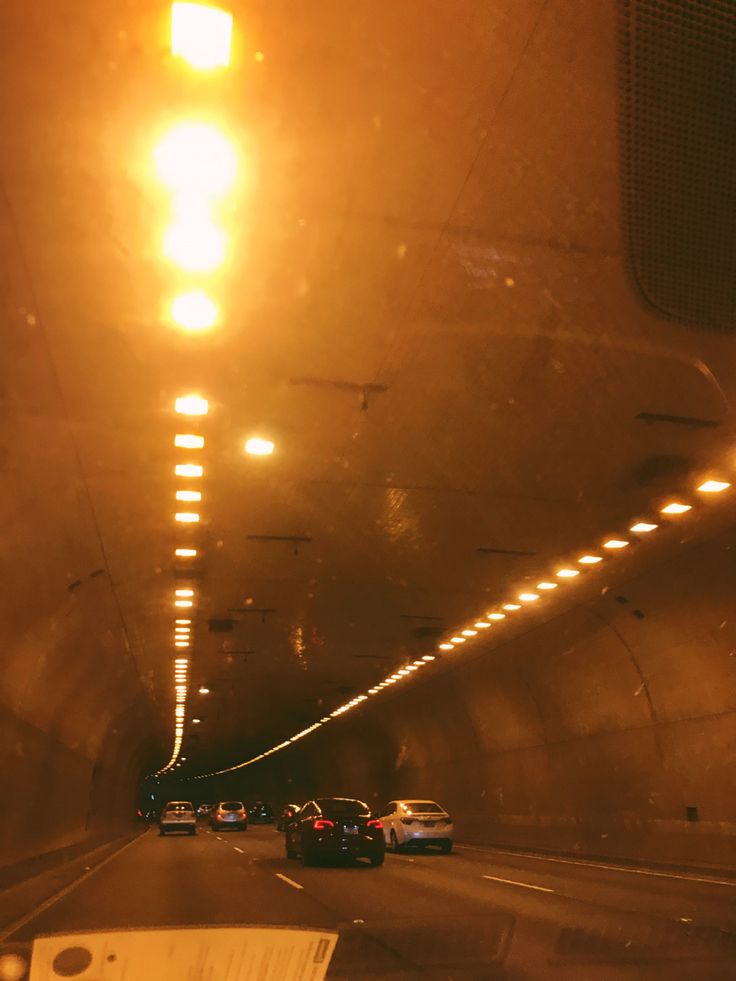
pixel 423 807
pixel 179 806
pixel 231 805
pixel 343 807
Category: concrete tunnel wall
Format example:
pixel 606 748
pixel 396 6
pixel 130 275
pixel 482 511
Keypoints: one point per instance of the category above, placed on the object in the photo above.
pixel 591 734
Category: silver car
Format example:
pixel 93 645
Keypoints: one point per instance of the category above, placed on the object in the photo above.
pixel 416 822
pixel 178 815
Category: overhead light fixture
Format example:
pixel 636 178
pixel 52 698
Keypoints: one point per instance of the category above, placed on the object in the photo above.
pixel 497 616
pixel 195 244
pixel 482 624
pixel 546 585
pixel 181 643
pixel 188 470
pixel 589 559
pixel 187 517
pixel 186 553
pixel 642 527
pixel 419 664
pixel 203 690
pixel 615 543
pixel 511 606
pixel 259 447
pixel 194 311
pixel 428 657
pixel 567 573
pixel 676 508
pixel 528 597
pixel 188 441
pixel 183 603
pixel 403 672
pixel 197 162
pixel 457 640
pixel 469 633
pixel 412 667
pixel 185 592
pixel 192 405
pixel 196 722
pixel 182 621
pixel 446 647
pixel 714 486
pixel 201 35
pixel 188 495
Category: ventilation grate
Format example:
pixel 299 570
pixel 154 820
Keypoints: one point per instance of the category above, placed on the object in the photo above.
pixel 679 146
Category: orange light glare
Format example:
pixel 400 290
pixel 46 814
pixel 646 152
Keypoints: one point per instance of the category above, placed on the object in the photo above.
pixel 185 592
pixel 201 35
pixel 497 616
pixel 186 553
pixel 546 585
pixel 481 624
pixel 196 161
pixel 187 517
pixel 589 559
pixel 446 647
pixel 528 597
pixel 714 486
pixel 428 657
pixel 195 245
pixel 457 640
pixel 194 311
pixel 615 543
pixel 469 633
pixel 511 606
pixel 642 527
pixel 183 603
pixel 567 573
pixel 676 508
pixel 188 470
pixel 188 441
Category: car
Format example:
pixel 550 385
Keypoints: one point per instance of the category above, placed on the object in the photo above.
pixel 260 813
pixel 416 822
pixel 229 814
pixel 334 828
pixel 178 815
pixel 288 812
pixel 204 809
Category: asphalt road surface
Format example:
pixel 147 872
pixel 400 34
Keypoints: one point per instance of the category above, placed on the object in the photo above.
pixel 475 914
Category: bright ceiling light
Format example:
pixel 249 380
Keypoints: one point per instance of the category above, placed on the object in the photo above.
pixel 196 161
pixel 195 245
pixel 372 691
pixel 528 597
pixel 615 543
pixel 185 592
pixel 192 405
pixel 418 664
pixel 642 527
pixel 186 553
pixel 469 633
pixel 201 35
pixel 428 657
pixel 194 311
pixel 196 721
pixel 403 672
pixel 567 573
pixel 546 585
pixel 714 486
pixel 182 621
pixel 183 603
pixel 676 508
pixel 457 640
pixel 187 517
pixel 188 470
pixel 188 441
pixel 203 690
pixel 446 647
pixel 511 606
pixel 181 660
pixel 412 667
pixel 182 643
pixel 259 447
pixel 589 559
pixel 187 495
pixel 481 624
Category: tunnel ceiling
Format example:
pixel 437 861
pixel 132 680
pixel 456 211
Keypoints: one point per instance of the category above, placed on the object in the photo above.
pixel 425 305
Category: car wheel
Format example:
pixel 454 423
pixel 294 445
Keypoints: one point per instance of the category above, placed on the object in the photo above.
pixel 377 860
pixel 446 847
pixel 395 847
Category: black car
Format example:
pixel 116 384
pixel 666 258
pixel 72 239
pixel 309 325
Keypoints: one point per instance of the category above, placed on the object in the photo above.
pixel 288 812
pixel 260 813
pixel 334 828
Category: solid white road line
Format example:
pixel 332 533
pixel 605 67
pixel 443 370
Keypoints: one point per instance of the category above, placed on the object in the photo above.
pixel 512 882
pixel 285 878
pixel 238 849
pixel 601 865
pixel 8 931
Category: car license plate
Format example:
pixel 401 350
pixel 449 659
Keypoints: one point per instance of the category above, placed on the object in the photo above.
pixel 428 824
pixel 350 829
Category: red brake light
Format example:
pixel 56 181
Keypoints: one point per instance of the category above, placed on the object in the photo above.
pixel 375 823
pixel 321 823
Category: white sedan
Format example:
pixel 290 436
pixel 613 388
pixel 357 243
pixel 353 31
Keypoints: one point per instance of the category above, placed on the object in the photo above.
pixel 416 822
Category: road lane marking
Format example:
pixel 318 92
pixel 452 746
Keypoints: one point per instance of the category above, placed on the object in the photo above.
pixel 285 878
pixel 238 849
pixel 48 903
pixel 219 838
pixel 601 865
pixel 512 882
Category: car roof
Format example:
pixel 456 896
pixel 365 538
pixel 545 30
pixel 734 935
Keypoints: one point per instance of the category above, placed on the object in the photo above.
pixel 417 800
pixel 179 803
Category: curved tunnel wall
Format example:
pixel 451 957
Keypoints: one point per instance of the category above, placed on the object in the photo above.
pixel 592 733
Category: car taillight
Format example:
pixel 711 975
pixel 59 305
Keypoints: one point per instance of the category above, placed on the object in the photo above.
pixel 375 823
pixel 321 823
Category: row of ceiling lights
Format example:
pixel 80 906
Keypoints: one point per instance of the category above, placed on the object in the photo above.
pixel 565 573
pixel 198 165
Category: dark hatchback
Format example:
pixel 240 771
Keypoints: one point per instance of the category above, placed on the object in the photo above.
pixel 335 828
pixel 260 813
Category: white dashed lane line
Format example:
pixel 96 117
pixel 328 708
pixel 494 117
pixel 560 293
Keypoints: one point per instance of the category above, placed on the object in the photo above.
pixel 285 878
pixel 238 849
pixel 512 882
pixel 219 838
